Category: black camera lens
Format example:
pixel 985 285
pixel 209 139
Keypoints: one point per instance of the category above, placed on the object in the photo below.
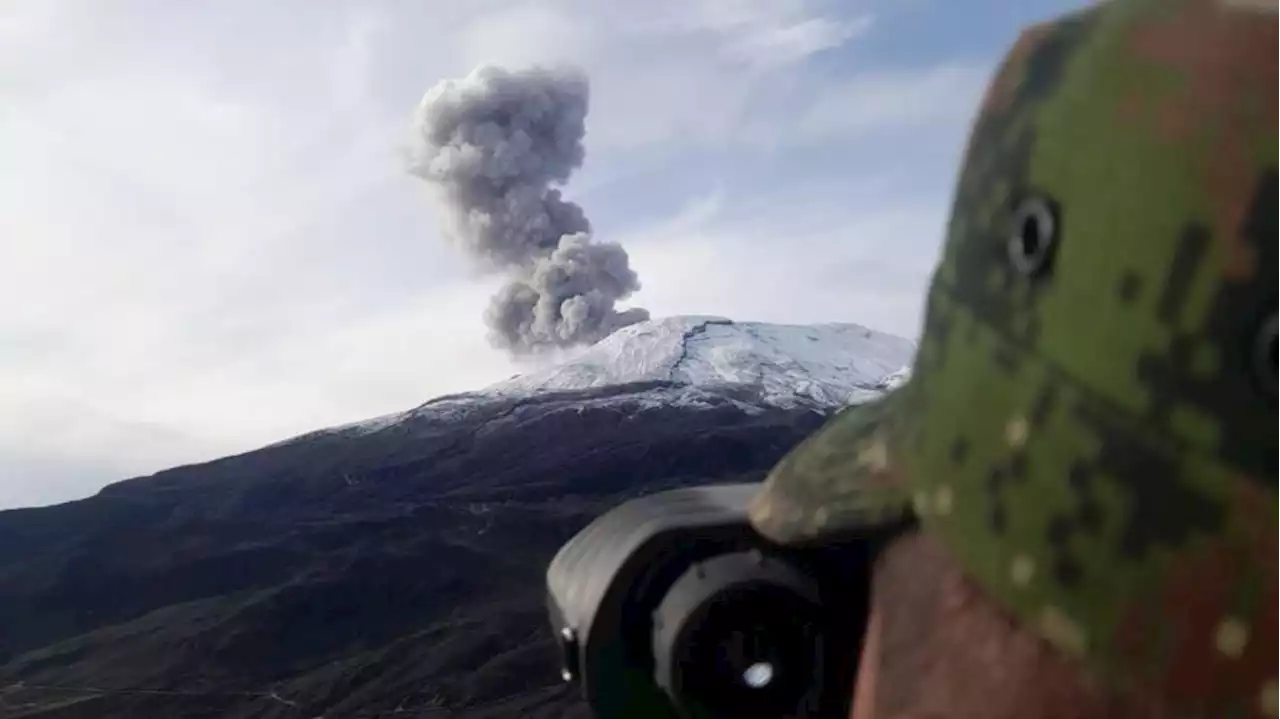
pixel 740 637
pixel 671 606
pixel 753 655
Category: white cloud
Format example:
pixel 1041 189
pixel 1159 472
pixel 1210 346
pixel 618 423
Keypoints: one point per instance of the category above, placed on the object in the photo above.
pixel 150 404
pixel 207 242
pixel 55 447
pixel 757 33
pixel 670 73
pixel 868 264
pixel 528 34
pixel 776 46
pixel 898 99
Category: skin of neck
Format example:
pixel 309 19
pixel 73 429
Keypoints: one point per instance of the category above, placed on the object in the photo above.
pixel 937 647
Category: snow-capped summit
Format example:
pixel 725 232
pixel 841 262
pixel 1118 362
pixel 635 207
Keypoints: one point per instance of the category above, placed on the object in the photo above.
pixel 470 486
pixel 697 362
pixel 896 380
pixel 825 364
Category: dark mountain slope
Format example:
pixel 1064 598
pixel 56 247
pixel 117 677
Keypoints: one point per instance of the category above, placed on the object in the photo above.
pixel 350 573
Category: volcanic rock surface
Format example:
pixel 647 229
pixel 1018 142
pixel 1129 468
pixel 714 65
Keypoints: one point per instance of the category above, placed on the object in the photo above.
pixel 394 567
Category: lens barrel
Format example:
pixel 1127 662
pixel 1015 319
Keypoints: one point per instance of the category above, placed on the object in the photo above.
pixel 670 606
pixel 740 635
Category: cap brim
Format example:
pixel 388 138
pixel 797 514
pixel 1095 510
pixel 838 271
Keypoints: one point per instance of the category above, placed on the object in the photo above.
pixel 840 480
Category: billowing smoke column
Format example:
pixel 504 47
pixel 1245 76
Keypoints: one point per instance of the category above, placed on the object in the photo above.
pixel 495 144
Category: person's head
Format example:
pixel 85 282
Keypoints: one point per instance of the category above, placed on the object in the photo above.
pixel 1088 441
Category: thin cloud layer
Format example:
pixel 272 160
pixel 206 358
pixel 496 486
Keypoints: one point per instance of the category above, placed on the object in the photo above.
pixel 211 244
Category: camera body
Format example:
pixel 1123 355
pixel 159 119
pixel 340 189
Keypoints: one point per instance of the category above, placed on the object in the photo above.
pixel 671 606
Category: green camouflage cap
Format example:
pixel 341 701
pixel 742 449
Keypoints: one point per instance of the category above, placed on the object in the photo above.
pixel 1091 426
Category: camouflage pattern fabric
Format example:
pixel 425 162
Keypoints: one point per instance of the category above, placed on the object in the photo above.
pixel 1091 427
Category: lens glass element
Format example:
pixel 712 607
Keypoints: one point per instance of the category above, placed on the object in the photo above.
pixel 754 654
pixel 758 675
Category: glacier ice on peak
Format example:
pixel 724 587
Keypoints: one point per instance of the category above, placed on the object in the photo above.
pixel 688 359
pixel 824 363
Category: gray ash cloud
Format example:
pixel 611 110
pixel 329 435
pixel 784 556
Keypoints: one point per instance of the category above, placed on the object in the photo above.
pixel 495 145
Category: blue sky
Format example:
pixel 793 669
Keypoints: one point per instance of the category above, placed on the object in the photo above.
pixel 210 242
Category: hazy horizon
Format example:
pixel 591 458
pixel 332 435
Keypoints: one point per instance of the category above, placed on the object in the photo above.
pixel 212 242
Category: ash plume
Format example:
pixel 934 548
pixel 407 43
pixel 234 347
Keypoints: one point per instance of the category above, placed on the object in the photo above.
pixel 495 145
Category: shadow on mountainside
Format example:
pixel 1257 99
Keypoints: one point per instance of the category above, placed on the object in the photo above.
pixel 349 573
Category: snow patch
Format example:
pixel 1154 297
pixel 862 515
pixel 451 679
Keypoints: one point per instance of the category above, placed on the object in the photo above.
pixel 896 379
pixel 694 360
pixel 821 362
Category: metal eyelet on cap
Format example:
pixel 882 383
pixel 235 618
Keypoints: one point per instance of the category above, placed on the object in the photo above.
pixel 1262 356
pixel 1033 234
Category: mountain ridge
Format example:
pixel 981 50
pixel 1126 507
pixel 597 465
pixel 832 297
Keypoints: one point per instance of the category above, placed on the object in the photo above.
pixel 733 356
pixel 354 572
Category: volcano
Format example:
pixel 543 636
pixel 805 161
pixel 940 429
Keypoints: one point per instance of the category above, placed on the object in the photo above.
pixel 394 566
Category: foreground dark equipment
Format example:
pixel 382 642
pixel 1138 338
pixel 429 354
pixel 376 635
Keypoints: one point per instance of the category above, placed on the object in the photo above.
pixel 672 606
